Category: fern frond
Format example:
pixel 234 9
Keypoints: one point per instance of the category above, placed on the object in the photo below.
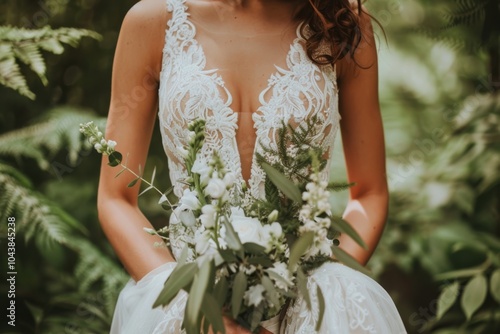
pixel 93 267
pixel 26 45
pixel 39 219
pixel 466 12
pixel 36 216
pixel 58 130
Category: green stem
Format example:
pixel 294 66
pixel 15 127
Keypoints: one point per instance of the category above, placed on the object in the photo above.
pixel 197 186
pixel 143 179
pixel 217 217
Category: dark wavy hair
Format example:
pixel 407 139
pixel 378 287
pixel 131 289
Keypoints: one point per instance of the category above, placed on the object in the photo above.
pixel 334 29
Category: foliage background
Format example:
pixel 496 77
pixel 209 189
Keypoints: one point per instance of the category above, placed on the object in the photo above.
pixel 439 93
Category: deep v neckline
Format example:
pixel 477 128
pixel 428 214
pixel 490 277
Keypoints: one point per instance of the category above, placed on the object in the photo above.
pixel 219 81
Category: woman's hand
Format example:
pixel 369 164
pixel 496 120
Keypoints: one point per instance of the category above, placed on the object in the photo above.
pixel 232 327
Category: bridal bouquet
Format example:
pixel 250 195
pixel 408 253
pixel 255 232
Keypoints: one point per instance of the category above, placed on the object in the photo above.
pixel 242 256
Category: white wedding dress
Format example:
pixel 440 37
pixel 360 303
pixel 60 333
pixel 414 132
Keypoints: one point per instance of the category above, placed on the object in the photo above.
pixel 355 303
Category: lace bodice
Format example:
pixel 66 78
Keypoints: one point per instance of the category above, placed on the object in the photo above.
pixel 189 91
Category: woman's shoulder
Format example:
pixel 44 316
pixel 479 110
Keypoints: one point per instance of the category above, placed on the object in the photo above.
pixel 365 55
pixel 144 28
pixel 148 16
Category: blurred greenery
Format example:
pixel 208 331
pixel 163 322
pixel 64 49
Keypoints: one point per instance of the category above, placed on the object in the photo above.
pixel 439 78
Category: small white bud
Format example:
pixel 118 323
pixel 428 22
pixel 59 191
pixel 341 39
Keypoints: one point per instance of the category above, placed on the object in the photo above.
pixel 111 144
pixel 273 216
pixel 149 230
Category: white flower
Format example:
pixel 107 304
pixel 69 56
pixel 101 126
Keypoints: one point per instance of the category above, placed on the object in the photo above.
pixel 98 147
pixel 215 188
pixel 229 179
pixel 175 217
pixel 190 199
pixel 222 237
pixel 270 235
pixel 276 230
pixel 254 295
pixel 203 170
pixel 248 269
pixel 182 214
pixel 248 229
pixel 281 270
pixel 186 215
pixel 207 217
pixel 201 239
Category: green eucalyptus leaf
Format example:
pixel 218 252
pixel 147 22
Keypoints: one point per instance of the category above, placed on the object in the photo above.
pixel 321 307
pixel 153 175
pixel 232 239
pixel 495 285
pixel 256 318
pixel 302 286
pixel 133 182
pixel 474 295
pixel 447 298
pixel 198 292
pixel 348 260
pixel 220 291
pixel 239 288
pixel 145 190
pixel 181 277
pixel 253 248
pixel 270 290
pixel 228 255
pixel 344 227
pixel 277 277
pixel 213 314
pixel 183 257
pixel 120 172
pixel 299 248
pixel 115 159
pixel 287 187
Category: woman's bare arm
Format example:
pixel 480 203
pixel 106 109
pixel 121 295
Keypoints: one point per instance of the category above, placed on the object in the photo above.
pixel 130 123
pixel 363 140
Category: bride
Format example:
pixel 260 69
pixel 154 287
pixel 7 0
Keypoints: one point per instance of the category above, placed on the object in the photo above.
pixel 245 66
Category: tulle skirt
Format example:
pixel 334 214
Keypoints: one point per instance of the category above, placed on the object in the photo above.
pixel 354 303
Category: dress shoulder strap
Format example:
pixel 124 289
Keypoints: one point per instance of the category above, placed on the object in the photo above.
pixel 178 9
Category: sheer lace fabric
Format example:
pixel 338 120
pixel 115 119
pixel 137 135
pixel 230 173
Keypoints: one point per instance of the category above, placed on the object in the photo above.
pixel 189 91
